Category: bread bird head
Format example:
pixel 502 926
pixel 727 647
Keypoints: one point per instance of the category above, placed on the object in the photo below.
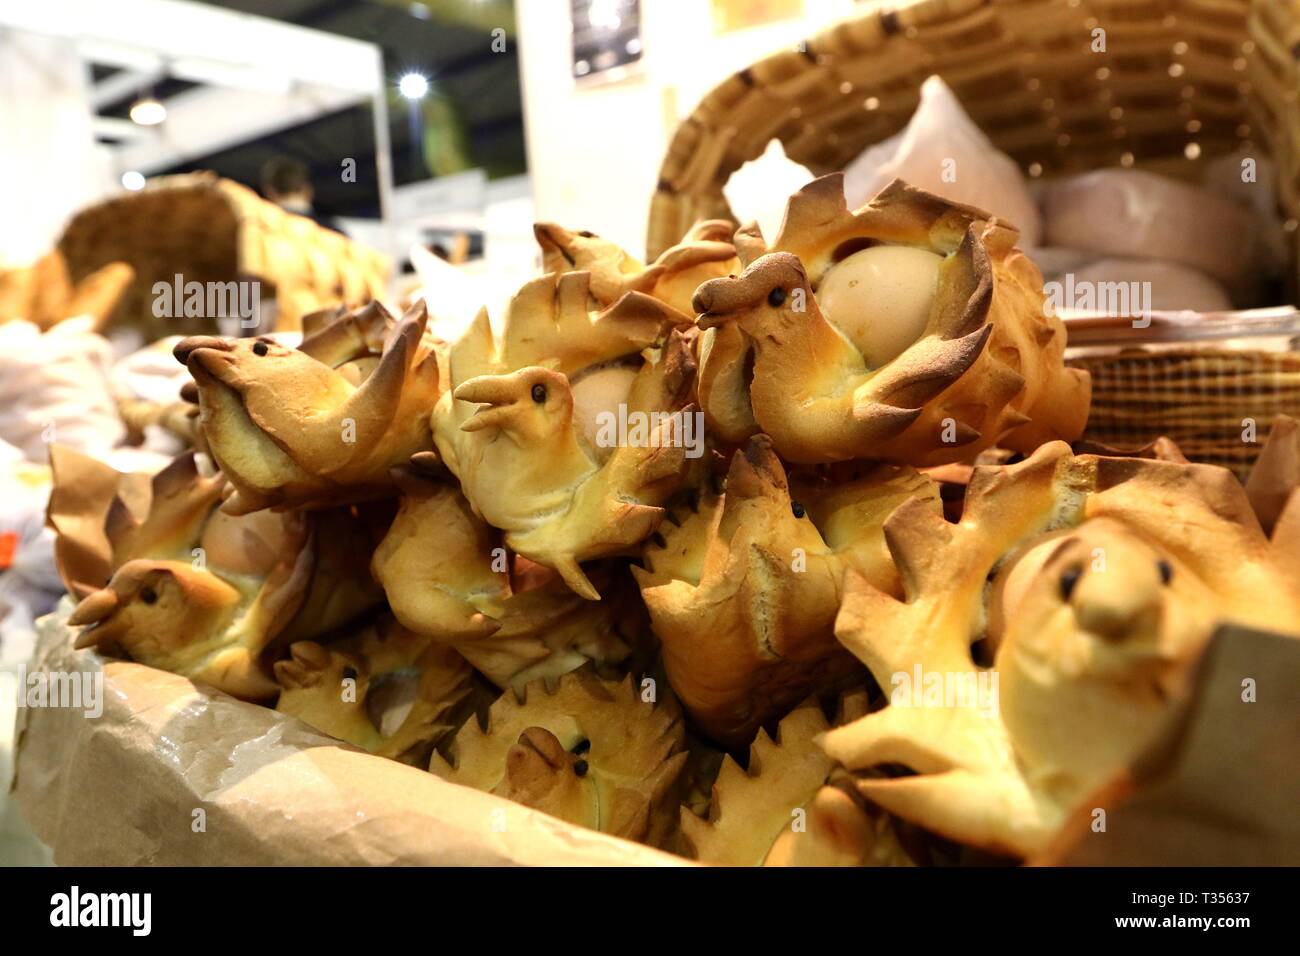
pixel 542 774
pixel 564 250
pixel 255 399
pixel 287 429
pixel 768 299
pixel 174 616
pixel 759 496
pixel 589 751
pixel 1098 601
pixel 161 603
pixel 533 403
pixel 1097 629
pixel 257 375
pixel 154 610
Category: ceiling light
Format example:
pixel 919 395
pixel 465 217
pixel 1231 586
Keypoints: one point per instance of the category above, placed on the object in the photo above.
pixel 413 86
pixel 148 112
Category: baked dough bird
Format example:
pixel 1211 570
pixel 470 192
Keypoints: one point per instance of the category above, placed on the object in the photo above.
pixel 405 694
pixel 742 591
pixel 910 331
pixel 1092 584
pixel 781 810
pixel 705 253
pixel 203 593
pixel 570 432
pixel 195 592
pixel 590 752
pixel 292 431
pixel 448 575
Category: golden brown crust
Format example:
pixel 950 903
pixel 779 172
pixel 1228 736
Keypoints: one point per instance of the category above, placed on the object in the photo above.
pixel 290 431
pixel 742 591
pixel 1094 583
pixel 592 752
pixel 405 694
pixel 780 810
pixel 988 367
pixel 704 253
pixel 506 429
pixel 448 575
pixel 193 590
pixel 44 294
pixel 1275 475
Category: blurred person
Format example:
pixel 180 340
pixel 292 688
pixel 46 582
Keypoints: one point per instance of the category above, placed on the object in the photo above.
pixel 287 183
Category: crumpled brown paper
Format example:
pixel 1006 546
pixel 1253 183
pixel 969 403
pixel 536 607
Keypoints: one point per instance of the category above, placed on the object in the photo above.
pixel 1221 785
pixel 122 789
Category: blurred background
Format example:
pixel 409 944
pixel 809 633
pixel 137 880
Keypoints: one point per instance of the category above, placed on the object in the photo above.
pixel 452 123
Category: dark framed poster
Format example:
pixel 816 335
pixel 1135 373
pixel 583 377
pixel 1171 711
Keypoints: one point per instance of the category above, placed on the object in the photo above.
pixel 606 39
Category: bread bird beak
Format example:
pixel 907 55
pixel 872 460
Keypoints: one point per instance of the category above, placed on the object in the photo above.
pixel 496 392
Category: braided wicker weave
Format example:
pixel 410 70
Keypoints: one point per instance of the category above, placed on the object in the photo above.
pixel 208 229
pixel 1165 83
pixel 1176 78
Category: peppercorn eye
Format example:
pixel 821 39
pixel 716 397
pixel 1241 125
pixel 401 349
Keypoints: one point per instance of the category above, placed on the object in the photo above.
pixel 539 394
pixel 260 348
pixel 776 298
pixel 798 509
pixel 1166 571
pixel 1069 578
pixel 148 595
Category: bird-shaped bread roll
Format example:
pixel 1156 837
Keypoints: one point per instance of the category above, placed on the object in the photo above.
pixel 386 689
pixel 448 575
pixel 781 811
pixel 292 431
pixel 910 331
pixel 196 592
pixel 570 432
pixel 704 253
pixel 1093 583
pixel 743 590
pixel 199 592
pixel 596 753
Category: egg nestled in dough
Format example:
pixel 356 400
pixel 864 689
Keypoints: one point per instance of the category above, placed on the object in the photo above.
pixel 880 298
pixel 599 391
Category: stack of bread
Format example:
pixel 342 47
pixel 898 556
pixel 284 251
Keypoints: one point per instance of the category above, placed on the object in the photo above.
pixel 672 553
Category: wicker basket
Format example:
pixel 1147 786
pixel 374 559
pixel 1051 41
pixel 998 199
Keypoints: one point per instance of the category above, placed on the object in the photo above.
pixel 1216 404
pixel 1179 81
pixel 208 229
